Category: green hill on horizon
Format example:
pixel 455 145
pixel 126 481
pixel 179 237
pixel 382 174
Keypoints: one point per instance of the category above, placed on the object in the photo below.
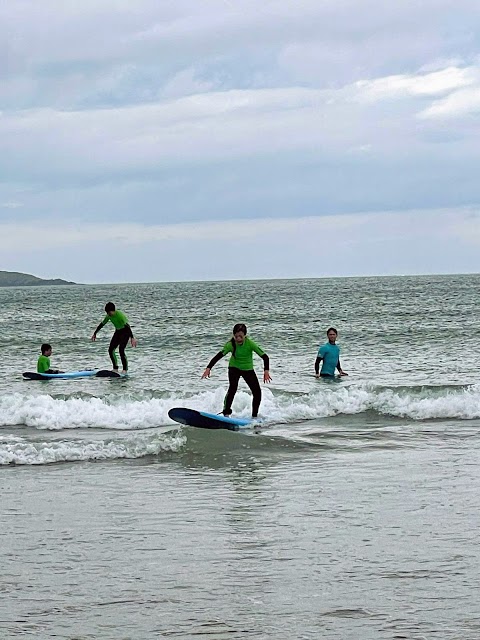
pixel 16 279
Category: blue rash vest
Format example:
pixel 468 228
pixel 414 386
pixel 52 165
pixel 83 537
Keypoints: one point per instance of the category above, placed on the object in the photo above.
pixel 330 354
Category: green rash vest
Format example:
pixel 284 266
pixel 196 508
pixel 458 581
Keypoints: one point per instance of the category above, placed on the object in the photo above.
pixel 119 320
pixel 243 358
pixel 43 364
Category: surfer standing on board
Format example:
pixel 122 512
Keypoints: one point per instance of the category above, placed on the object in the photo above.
pixel 241 366
pixel 329 355
pixel 123 333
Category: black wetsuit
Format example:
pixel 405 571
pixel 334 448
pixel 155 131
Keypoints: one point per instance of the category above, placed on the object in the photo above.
pixel 120 338
pixel 241 366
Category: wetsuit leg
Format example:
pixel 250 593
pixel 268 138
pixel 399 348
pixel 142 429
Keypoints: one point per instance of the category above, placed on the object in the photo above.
pixel 119 340
pixel 114 342
pixel 122 344
pixel 233 378
pixel 251 379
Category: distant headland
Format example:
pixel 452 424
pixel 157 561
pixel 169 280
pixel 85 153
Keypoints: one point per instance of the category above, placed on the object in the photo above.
pixel 15 279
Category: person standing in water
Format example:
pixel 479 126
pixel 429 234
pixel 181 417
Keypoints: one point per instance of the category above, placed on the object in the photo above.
pixel 329 355
pixel 241 366
pixel 123 333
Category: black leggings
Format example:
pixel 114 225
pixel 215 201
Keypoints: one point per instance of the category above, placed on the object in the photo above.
pixel 120 340
pixel 251 379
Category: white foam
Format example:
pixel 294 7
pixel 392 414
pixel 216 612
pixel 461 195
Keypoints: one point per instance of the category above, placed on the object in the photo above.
pixel 462 404
pixel 19 451
pixel 45 412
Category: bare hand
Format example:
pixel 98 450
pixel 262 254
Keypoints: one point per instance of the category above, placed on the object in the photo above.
pixel 266 376
pixel 317 375
pixel 94 337
pixel 342 373
pixel 206 373
pixel 133 342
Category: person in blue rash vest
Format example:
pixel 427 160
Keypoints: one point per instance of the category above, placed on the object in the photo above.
pixel 329 356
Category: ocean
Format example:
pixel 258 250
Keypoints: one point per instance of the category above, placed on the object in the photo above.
pixel 352 512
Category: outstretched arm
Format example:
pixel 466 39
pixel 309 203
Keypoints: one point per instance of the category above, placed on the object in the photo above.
pixel 211 364
pixel 266 368
pixel 133 341
pixel 94 335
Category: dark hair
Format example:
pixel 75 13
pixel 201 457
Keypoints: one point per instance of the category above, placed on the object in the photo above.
pixel 238 327
pixel 109 307
pixel 45 347
pixel 332 329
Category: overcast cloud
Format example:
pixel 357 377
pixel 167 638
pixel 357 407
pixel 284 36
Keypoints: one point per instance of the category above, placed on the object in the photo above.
pixel 326 137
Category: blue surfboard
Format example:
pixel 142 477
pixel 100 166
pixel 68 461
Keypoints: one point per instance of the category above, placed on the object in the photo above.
pixel 88 373
pixel 205 420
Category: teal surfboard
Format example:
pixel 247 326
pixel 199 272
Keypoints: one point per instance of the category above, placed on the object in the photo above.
pixel 88 373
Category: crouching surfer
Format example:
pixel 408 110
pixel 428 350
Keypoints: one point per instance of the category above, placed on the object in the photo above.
pixel 123 333
pixel 241 366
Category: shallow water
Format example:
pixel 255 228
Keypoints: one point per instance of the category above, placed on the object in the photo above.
pixel 351 513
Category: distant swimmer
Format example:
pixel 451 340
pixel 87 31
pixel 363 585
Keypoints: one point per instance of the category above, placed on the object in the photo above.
pixel 123 333
pixel 329 355
pixel 241 366
pixel 43 363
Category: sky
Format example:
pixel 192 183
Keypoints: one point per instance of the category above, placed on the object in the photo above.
pixel 162 140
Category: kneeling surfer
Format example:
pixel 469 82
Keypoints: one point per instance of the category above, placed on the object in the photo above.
pixel 43 363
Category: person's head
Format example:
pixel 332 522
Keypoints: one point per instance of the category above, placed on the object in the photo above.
pixel 46 349
pixel 332 334
pixel 239 333
pixel 109 308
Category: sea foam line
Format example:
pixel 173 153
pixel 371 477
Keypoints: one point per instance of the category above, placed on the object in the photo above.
pixel 15 450
pixel 45 412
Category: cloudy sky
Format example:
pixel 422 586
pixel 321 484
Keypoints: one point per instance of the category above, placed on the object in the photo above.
pixel 214 139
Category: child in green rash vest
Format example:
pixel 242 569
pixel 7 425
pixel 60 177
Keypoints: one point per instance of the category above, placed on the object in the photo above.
pixel 43 364
pixel 241 366
pixel 329 355
pixel 123 333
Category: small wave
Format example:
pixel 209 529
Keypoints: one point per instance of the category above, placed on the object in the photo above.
pixel 124 413
pixel 460 403
pixel 16 450
pixel 47 412
pixel 422 403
